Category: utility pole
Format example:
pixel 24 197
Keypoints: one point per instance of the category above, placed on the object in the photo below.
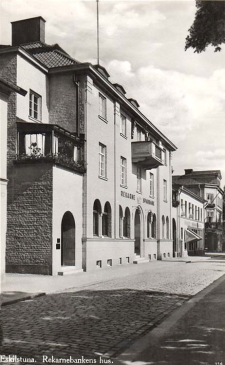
pixel 97 1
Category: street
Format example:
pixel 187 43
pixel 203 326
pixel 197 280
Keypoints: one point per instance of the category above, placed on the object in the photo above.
pixel 105 317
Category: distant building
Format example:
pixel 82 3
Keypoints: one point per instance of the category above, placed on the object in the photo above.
pixel 206 184
pixel 90 176
pixel 188 222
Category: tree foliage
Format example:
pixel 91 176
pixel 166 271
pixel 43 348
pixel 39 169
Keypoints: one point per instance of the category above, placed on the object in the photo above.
pixel 208 27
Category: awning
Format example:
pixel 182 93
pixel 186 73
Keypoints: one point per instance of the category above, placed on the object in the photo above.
pixel 191 236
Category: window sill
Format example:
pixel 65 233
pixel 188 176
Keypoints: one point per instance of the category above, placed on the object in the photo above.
pixel 123 135
pixel 165 201
pixel 124 186
pixel 138 192
pixel 103 178
pixel 103 119
pixel 34 119
pixel 152 197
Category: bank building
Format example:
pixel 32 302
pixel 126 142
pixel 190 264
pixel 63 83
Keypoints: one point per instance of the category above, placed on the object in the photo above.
pixel 89 176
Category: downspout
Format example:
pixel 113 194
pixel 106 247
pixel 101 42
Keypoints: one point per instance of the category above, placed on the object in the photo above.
pixel 159 257
pixel 115 182
pixel 77 84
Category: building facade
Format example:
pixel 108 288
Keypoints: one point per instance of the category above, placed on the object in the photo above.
pixel 188 222
pixel 89 175
pixel 6 90
pixel 206 184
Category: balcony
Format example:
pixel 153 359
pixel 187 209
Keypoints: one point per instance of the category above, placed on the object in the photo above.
pixel 147 154
pixel 213 226
pixel 49 143
pixel 175 203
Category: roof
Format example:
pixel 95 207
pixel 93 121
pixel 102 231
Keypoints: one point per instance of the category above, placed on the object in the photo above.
pixel 181 188
pixel 55 59
pixel 198 177
pixel 49 55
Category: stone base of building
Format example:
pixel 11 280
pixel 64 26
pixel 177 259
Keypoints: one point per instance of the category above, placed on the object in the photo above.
pixel 29 269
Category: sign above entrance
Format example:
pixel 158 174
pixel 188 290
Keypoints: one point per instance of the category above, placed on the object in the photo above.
pixel 127 195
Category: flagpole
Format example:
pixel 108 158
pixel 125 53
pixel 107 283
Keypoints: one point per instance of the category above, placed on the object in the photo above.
pixel 97 32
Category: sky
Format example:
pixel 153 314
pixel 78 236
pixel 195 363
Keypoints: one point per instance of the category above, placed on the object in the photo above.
pixel 142 47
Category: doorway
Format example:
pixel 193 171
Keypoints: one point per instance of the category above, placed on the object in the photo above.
pixel 174 237
pixel 68 240
pixel 137 232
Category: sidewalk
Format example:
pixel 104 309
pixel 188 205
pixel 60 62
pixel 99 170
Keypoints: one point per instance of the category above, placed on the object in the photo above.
pixel 193 334
pixel 25 286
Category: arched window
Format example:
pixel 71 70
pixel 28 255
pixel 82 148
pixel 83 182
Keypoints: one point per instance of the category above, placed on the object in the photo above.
pixel 126 223
pixel 149 223
pixel 120 221
pixel 106 221
pixel 167 228
pixel 97 209
pixel 154 226
pixel 163 226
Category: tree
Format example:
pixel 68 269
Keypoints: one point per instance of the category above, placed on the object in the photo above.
pixel 208 27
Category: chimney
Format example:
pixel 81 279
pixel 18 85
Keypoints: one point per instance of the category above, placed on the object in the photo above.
pixel 28 31
pixel 188 171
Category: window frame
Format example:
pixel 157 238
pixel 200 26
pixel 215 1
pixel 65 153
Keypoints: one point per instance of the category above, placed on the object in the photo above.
pixel 102 107
pixel 104 161
pixel 139 182
pixel 32 103
pixel 123 126
pixel 151 185
pixel 165 190
pixel 123 171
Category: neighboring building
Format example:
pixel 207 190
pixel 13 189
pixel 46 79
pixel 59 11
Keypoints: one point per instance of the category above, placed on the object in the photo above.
pixel 6 90
pixel 188 222
pixel 206 184
pixel 90 176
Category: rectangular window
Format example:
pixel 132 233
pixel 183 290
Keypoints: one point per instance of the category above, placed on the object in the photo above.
pixel 209 197
pixel 102 160
pixel 151 185
pixel 35 105
pixel 185 207
pixel 35 144
pixel 123 171
pixel 189 210
pixel 123 125
pixel 139 134
pixel 102 106
pixel 182 207
pixel 182 233
pixel 165 157
pixel 138 179
pixel 165 190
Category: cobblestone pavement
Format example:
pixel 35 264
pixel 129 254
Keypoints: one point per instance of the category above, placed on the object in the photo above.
pixel 104 318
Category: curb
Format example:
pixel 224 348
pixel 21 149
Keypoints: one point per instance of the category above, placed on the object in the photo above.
pixel 25 297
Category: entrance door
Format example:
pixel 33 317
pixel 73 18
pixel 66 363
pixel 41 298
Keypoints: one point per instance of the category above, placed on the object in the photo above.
pixel 68 240
pixel 174 237
pixel 137 233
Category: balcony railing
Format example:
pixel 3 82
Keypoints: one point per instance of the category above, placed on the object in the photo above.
pixel 213 225
pixel 147 154
pixel 49 143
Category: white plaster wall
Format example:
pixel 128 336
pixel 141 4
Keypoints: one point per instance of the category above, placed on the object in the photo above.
pixel 98 131
pixel 31 77
pixel 67 196
pixel 105 250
